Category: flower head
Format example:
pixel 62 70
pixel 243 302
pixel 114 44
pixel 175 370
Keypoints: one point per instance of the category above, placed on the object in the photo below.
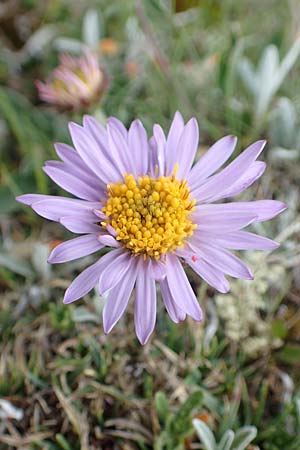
pixel 155 210
pixel 75 84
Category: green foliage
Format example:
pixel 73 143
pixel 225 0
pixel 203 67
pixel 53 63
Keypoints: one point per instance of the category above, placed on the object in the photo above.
pixel 176 426
pixel 60 317
pixel 230 440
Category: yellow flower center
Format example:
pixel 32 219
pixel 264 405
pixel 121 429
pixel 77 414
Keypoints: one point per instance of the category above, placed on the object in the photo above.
pixel 150 215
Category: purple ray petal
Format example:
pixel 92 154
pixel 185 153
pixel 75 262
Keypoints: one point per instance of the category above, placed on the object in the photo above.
pixel 67 154
pixel 119 149
pixel 98 133
pixel 211 161
pixel 262 209
pixel 222 181
pixel 152 157
pixel 210 274
pixel 254 172
pixel 145 303
pixel 175 313
pixel 29 199
pixel 76 225
pixel 138 146
pixel 223 260
pixel 187 148
pixel 215 219
pixel 75 248
pixel 120 127
pixel 111 230
pixel 53 208
pixel 157 269
pixel 100 214
pixel 92 155
pixel 83 284
pixel 72 184
pixel 175 132
pixel 108 241
pixel 117 262
pixel 83 174
pixel 239 240
pixel 160 145
pixel 118 297
pixel 56 207
pixel 181 289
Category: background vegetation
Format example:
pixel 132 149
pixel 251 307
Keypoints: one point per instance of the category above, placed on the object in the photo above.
pixel 63 383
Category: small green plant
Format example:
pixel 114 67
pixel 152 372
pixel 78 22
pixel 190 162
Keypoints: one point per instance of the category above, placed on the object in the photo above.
pixel 60 318
pixel 264 81
pixel 175 426
pixel 230 440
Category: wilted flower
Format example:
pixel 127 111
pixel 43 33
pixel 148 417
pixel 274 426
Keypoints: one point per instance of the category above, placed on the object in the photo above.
pixel 146 201
pixel 75 84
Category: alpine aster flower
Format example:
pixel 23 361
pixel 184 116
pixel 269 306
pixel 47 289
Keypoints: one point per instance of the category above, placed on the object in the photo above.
pixel 75 84
pixel 147 202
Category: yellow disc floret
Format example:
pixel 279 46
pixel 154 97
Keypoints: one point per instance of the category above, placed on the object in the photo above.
pixel 150 215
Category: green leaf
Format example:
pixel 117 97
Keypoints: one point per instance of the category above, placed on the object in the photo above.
pixel 62 441
pixel 279 329
pixel 262 403
pixel 180 421
pixel 162 406
pixel 290 354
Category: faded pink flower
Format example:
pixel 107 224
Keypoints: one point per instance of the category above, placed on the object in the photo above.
pixel 75 84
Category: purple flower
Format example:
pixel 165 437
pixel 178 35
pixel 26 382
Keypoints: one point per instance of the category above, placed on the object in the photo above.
pixel 146 201
pixel 75 84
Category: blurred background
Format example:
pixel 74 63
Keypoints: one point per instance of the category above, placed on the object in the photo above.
pixel 231 382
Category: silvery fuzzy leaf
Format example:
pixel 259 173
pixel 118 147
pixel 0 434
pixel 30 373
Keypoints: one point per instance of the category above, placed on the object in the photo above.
pixel 20 267
pixel 39 39
pixel 248 75
pixel 98 303
pixel 288 62
pixel 212 326
pixel 39 260
pixel 266 79
pixel 9 411
pixel 268 64
pixel 82 314
pixel 243 437
pixel 283 124
pixel 69 45
pixel 267 91
pixel 288 385
pixel 297 140
pixel 227 440
pixel 205 435
pixel 279 154
pixel 91 32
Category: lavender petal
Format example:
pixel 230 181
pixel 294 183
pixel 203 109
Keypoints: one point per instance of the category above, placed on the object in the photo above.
pixel 175 313
pixel 211 161
pixel 118 297
pixel 145 303
pixel 181 289
pixel 74 249
pixel 82 284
